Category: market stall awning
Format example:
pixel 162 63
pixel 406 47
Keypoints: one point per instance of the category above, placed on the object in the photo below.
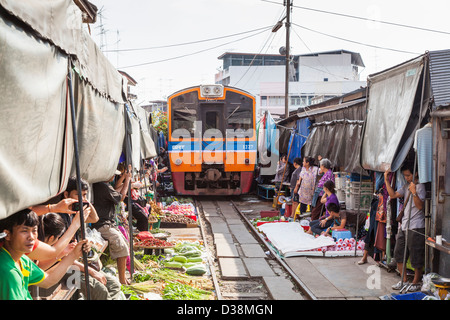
pixel 41 42
pixel 338 140
pixel 393 108
pixel 440 77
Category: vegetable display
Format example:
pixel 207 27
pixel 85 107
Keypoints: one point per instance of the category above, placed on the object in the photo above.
pixel 196 270
pixel 177 218
pixel 181 271
pixel 152 243
pixel 179 291
pixel 185 209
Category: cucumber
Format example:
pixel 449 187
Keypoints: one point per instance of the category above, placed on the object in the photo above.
pixel 172 264
pixel 191 253
pixel 197 270
pixel 181 259
pixel 187 265
pixel 195 259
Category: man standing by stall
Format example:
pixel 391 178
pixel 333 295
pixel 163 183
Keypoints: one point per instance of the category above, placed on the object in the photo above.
pixel 414 195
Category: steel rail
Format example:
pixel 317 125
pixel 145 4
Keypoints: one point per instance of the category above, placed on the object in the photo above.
pixel 304 289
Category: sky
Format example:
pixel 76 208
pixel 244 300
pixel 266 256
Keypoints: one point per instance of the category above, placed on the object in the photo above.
pixel 149 39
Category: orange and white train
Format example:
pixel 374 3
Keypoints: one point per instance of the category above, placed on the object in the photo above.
pixel 212 140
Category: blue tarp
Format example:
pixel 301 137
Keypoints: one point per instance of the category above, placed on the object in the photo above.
pixel 271 135
pixel 298 138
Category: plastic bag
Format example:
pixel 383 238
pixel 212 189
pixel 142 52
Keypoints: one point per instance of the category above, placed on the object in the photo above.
pixel 367 224
pixel 96 238
pixel 427 284
pixel 304 223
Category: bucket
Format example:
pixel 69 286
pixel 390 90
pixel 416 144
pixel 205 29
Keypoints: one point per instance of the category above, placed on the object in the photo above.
pixel 155 225
pixel 288 210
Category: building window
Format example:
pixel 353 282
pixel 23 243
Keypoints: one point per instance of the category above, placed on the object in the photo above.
pixel 276 101
pixel 325 79
pixel 295 101
pixel 263 101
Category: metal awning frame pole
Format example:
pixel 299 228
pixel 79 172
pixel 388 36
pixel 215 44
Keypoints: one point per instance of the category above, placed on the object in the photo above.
pixel 130 209
pixel 77 165
pixel 403 272
pixel 359 209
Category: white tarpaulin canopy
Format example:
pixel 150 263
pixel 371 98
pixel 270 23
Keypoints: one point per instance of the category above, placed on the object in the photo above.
pixel 389 113
pixel 36 138
pixel 289 237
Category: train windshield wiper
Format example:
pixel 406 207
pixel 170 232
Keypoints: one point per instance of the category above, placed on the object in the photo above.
pixel 233 112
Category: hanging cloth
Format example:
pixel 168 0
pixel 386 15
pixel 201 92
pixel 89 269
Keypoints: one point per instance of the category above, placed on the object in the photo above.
pixel 271 136
pixel 262 135
pixel 423 145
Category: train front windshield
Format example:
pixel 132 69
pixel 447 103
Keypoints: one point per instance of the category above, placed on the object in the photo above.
pixel 239 118
pixel 184 117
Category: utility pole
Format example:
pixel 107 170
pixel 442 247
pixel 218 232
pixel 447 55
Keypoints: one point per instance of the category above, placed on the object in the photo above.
pixel 288 56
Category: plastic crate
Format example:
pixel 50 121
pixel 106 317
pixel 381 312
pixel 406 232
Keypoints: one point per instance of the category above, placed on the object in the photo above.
pixel 365 185
pixel 357 177
pixel 340 193
pixel 353 200
pixel 410 296
pixel 341 234
pixel 340 179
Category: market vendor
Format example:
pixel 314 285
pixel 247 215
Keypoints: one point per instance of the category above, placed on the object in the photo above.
pixel 415 194
pixel 336 220
pixel 306 183
pixel 295 177
pixel 326 170
pixel 282 173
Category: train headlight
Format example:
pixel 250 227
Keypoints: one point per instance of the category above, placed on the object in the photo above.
pixel 178 161
pixel 211 91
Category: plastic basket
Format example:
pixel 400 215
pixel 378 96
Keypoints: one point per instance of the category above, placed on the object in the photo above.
pixel 155 225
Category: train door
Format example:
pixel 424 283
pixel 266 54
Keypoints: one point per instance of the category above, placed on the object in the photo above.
pixel 213 121
pixel 213 130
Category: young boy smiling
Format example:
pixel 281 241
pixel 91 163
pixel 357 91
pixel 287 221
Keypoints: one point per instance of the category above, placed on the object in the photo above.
pixel 16 269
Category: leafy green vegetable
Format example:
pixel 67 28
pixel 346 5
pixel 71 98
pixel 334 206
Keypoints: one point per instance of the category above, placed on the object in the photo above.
pixel 179 291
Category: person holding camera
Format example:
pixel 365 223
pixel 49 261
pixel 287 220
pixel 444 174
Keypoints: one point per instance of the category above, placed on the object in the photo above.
pixel 16 266
pixel 65 207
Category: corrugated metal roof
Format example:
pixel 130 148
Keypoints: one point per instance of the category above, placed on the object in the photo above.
pixel 440 77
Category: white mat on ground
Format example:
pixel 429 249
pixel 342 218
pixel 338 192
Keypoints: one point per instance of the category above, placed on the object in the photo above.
pixel 290 237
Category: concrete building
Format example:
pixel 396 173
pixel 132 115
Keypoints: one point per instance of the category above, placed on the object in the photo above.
pixel 155 106
pixel 313 77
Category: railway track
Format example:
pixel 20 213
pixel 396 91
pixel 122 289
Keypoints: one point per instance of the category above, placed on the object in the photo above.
pixel 243 266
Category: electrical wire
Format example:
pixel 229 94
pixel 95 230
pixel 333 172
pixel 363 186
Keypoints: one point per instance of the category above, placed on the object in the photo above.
pixel 326 69
pixel 365 19
pixel 353 41
pixel 192 53
pixel 187 43
pixel 262 48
